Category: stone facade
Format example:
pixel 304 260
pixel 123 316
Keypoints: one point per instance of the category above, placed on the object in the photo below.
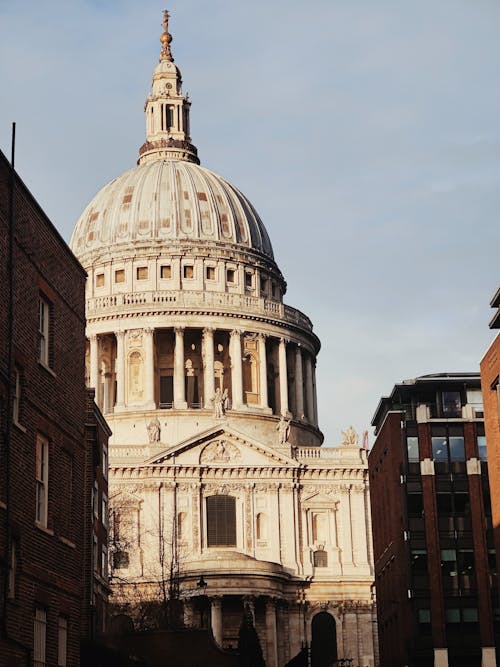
pixel 207 380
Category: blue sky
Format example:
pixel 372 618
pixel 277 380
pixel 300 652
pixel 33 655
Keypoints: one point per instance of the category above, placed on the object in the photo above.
pixel 365 133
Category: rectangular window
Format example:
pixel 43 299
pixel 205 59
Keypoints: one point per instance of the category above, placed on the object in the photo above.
pixel 457 448
pixel 439 448
pixel 95 553
pixel 104 510
pixel 412 448
pixel 481 448
pixel 449 562
pixel 221 521
pixel 166 271
pixel 104 563
pixel 95 500
pixel 249 280
pixel 231 275
pixel 188 271
pixel 99 280
pixel 62 641
pixel 105 462
pixel 210 273
pixel 44 331
pixel 120 276
pixel 42 479
pixel 453 615
pixel 39 637
pixel 452 404
pixel 16 399
pixel 142 273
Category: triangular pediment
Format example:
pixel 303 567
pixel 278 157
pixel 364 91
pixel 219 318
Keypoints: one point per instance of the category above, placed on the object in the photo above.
pixel 318 498
pixel 219 446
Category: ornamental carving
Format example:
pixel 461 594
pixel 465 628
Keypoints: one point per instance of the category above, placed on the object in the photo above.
pixel 135 337
pixel 220 451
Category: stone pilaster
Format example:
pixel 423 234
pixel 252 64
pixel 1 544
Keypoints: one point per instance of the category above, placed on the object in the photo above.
pixel 149 369
pixel 120 370
pixel 94 364
pixel 309 390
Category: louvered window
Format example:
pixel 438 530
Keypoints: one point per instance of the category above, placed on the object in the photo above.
pixel 221 521
pixel 320 558
pixel 39 634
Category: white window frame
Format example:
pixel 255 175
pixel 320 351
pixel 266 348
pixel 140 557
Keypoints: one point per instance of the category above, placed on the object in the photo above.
pixel 105 462
pixel 42 480
pixel 95 500
pixel 62 641
pixel 104 562
pixel 39 637
pixel 44 331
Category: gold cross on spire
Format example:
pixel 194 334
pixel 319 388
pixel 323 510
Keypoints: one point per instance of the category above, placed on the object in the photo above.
pixel 165 39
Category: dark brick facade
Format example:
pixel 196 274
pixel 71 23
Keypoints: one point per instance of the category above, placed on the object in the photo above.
pixel 432 532
pixel 44 548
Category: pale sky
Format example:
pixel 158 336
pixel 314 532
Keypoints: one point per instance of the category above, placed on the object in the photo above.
pixel 365 132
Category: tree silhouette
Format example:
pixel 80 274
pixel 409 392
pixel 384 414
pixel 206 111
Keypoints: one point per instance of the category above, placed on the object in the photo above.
pixel 248 643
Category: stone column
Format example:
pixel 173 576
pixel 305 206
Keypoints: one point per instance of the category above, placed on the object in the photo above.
pixel 120 370
pixel 208 367
pixel 236 369
pixel 271 636
pixel 216 618
pixel 149 369
pixel 283 378
pixel 315 394
pixel 179 372
pixel 263 372
pixel 309 390
pixel 299 384
pixel 94 363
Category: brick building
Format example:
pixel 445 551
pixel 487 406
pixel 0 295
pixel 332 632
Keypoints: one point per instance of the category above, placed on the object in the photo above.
pixel 432 531
pixel 47 466
pixel 490 384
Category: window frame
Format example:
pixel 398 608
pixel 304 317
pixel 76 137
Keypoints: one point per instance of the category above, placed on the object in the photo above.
pixel 215 534
pixel 44 313
pixel 42 480
pixel 40 637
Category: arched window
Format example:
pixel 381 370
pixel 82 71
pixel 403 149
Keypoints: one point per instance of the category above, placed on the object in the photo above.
pixel 261 526
pixel 221 521
pixel 320 558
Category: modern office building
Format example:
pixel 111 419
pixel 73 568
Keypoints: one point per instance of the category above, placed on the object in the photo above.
pixel 432 530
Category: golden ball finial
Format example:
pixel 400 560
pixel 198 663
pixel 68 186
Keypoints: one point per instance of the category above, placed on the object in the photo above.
pixel 165 39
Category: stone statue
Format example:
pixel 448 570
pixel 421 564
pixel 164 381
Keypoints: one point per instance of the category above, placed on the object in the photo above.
pixel 154 431
pixel 283 428
pixel 218 404
pixel 225 401
pixel 350 438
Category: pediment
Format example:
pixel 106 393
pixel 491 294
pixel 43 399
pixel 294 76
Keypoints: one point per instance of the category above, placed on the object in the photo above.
pixel 129 498
pixel 313 498
pixel 221 447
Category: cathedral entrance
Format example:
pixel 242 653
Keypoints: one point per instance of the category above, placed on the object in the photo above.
pixel 324 640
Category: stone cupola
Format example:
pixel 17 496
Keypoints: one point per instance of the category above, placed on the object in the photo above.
pixel 167 111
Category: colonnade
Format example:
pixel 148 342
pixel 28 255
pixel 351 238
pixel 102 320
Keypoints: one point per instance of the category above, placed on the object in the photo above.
pixel 291 383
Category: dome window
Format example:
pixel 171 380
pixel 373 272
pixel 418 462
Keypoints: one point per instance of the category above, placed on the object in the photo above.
pixel 165 271
pixel 249 280
pixel 210 273
pixel 120 276
pixel 142 273
pixel 99 280
pixel 320 558
pixel 188 271
pixel 231 276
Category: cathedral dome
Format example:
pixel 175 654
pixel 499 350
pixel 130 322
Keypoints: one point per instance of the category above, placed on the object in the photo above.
pixel 167 200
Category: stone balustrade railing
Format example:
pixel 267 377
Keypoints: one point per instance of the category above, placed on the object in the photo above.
pixel 198 300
